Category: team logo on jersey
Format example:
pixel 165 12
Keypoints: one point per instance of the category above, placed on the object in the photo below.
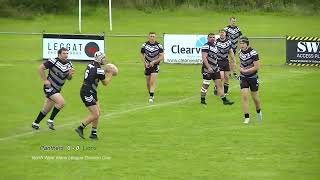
pixel 91 48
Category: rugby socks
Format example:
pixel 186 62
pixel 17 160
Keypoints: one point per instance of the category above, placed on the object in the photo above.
pixel 41 115
pixel 94 130
pixel 258 111
pixel 223 98
pixel 203 93
pixel 82 126
pixel 151 94
pixel 226 87
pixel 55 111
pixel 246 115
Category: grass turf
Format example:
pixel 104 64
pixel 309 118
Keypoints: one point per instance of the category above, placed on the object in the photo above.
pixel 176 138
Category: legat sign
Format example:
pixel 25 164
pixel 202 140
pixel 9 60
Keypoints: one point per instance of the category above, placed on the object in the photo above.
pixel 303 51
pixel 81 47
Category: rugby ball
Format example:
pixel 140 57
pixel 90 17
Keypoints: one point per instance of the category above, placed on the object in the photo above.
pixel 111 68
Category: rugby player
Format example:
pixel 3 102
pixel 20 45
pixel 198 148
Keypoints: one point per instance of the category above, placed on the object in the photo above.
pixel 210 70
pixel 249 66
pixel 233 34
pixel 60 69
pixel 151 56
pixel 88 92
pixel 224 51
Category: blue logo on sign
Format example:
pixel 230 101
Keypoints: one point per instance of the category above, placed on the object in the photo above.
pixel 201 41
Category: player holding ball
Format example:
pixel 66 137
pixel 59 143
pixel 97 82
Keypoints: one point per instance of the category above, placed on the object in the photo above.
pixel 88 93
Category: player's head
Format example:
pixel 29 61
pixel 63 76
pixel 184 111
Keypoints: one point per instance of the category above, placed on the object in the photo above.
pixel 63 54
pixel 233 21
pixel 152 37
pixel 244 42
pixel 211 37
pixel 100 57
pixel 222 33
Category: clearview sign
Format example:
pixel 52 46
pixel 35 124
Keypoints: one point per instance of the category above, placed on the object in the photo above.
pixel 183 49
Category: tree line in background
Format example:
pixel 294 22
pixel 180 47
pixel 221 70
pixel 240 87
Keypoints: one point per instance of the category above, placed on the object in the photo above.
pixel 30 8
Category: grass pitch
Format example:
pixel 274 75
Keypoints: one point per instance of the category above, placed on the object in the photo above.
pixel 176 138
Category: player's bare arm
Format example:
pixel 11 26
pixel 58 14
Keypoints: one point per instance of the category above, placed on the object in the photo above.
pixel 233 58
pixel 108 78
pixel 205 61
pixel 157 61
pixel 42 74
pixel 71 73
pixel 145 63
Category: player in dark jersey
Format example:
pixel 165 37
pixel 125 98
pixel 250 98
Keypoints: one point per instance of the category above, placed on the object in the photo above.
pixel 60 69
pixel 151 56
pixel 88 93
pixel 210 70
pixel 224 52
pixel 249 66
pixel 233 34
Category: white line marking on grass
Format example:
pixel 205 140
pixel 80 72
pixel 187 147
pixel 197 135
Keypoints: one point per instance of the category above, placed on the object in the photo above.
pixel 149 106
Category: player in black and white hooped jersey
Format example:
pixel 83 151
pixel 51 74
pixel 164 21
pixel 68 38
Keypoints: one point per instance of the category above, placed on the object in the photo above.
pixel 210 70
pixel 233 34
pixel 151 56
pixel 93 74
pixel 225 51
pixel 249 66
pixel 60 69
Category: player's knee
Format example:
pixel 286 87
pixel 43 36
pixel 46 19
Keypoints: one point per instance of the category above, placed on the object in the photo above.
pixel 255 98
pixel 245 98
pixel 220 90
pixel 96 115
pixel 60 104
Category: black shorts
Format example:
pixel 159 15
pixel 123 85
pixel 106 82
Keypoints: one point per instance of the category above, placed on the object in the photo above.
pixel 224 65
pixel 49 91
pixel 210 76
pixel 88 98
pixel 154 69
pixel 252 83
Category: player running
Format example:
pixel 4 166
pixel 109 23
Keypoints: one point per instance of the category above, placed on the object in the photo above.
pixel 60 69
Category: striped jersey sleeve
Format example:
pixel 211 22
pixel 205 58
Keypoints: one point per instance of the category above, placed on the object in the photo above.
pixel 49 63
pixel 160 48
pixel 143 48
pixel 254 55
pixel 101 74
pixel 205 48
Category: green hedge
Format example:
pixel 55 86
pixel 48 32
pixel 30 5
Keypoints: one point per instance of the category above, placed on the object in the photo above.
pixel 29 8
